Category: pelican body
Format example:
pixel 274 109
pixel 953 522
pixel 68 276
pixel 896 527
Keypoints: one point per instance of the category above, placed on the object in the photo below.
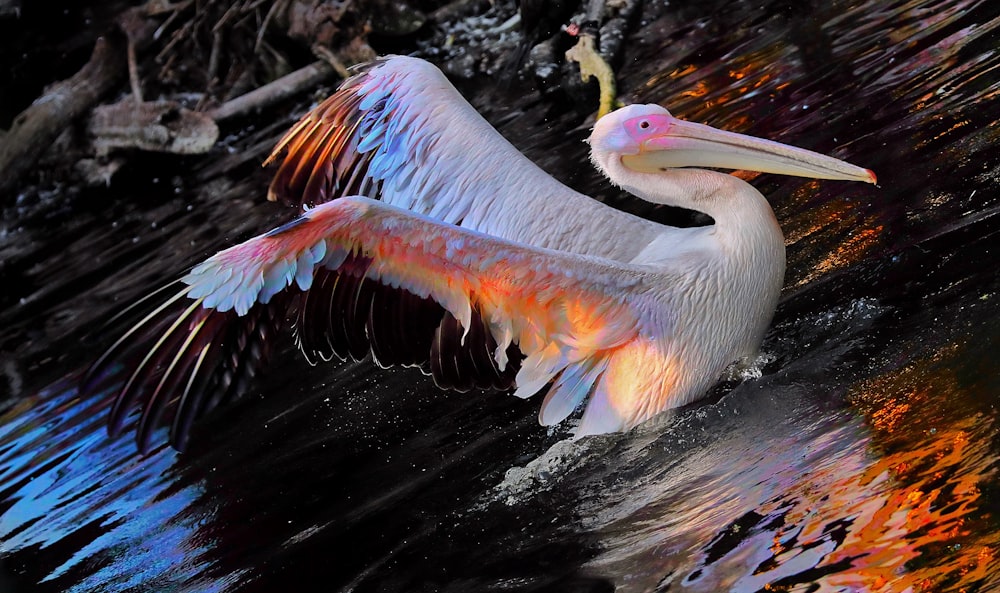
pixel 428 240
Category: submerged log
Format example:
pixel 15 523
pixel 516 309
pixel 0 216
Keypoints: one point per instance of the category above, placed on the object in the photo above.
pixel 155 126
pixel 36 127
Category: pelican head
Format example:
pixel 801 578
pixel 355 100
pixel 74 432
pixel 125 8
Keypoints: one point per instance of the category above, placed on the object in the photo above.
pixel 647 139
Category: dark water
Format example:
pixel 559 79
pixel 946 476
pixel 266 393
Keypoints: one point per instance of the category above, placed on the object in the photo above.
pixel 864 459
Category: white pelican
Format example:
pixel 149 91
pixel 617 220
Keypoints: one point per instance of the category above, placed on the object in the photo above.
pixel 434 242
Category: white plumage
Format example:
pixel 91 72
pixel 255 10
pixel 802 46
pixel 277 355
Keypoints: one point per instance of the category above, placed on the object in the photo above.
pixel 417 192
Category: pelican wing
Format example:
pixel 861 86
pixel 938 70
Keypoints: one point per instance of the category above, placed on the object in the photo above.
pixel 397 131
pixel 581 321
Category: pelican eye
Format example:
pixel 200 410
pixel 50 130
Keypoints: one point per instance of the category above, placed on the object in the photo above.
pixel 644 124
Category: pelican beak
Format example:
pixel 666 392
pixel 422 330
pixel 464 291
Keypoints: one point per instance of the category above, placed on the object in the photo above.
pixel 667 142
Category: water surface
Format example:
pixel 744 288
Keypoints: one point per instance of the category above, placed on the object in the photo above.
pixel 864 459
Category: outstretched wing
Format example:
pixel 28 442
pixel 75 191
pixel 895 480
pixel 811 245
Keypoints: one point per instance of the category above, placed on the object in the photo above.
pixel 398 131
pixel 385 133
pixel 589 325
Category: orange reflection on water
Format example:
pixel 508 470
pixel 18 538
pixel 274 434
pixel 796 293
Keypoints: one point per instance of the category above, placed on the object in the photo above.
pixel 704 88
pixel 699 89
pixel 832 234
pixel 916 536
pixel 955 127
pixel 887 500
pixel 808 219
pixel 933 456
pixel 851 250
pixel 902 513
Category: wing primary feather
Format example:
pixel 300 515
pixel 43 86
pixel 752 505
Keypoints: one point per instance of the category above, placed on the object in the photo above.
pixel 469 368
pixel 401 321
pixel 187 405
pixel 353 304
pixel 477 344
pixel 303 140
pixel 350 285
pixel 452 335
pixel 310 162
pixel 243 372
pixel 220 385
pixel 304 331
pixel 291 134
pixel 249 336
pixel 377 325
pixel 133 387
pixel 465 370
pixel 142 300
pixel 190 359
pixel 348 160
pixel 336 332
pixel 449 373
pixel 115 349
pixel 437 363
pixel 155 405
pixel 358 182
pixel 323 325
pixel 449 370
pixel 212 380
pixel 282 184
pixel 319 151
pixel 414 320
pixel 391 305
pixel 211 376
pixel 324 180
pixel 255 352
pixel 313 320
pixel 360 343
pixel 486 358
pixel 233 344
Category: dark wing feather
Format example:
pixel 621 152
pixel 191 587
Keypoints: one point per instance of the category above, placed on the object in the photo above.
pixel 182 360
pixel 346 314
pixel 319 154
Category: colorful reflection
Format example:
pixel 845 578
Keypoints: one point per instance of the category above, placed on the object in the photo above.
pixel 888 498
pixel 895 492
pixel 126 519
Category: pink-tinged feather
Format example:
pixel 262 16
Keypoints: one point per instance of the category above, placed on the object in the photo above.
pixel 567 313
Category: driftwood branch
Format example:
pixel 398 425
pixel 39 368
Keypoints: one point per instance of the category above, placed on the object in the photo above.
pixel 36 127
pixel 275 91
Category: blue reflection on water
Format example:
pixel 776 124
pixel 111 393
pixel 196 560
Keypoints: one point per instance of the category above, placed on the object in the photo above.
pixel 134 521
